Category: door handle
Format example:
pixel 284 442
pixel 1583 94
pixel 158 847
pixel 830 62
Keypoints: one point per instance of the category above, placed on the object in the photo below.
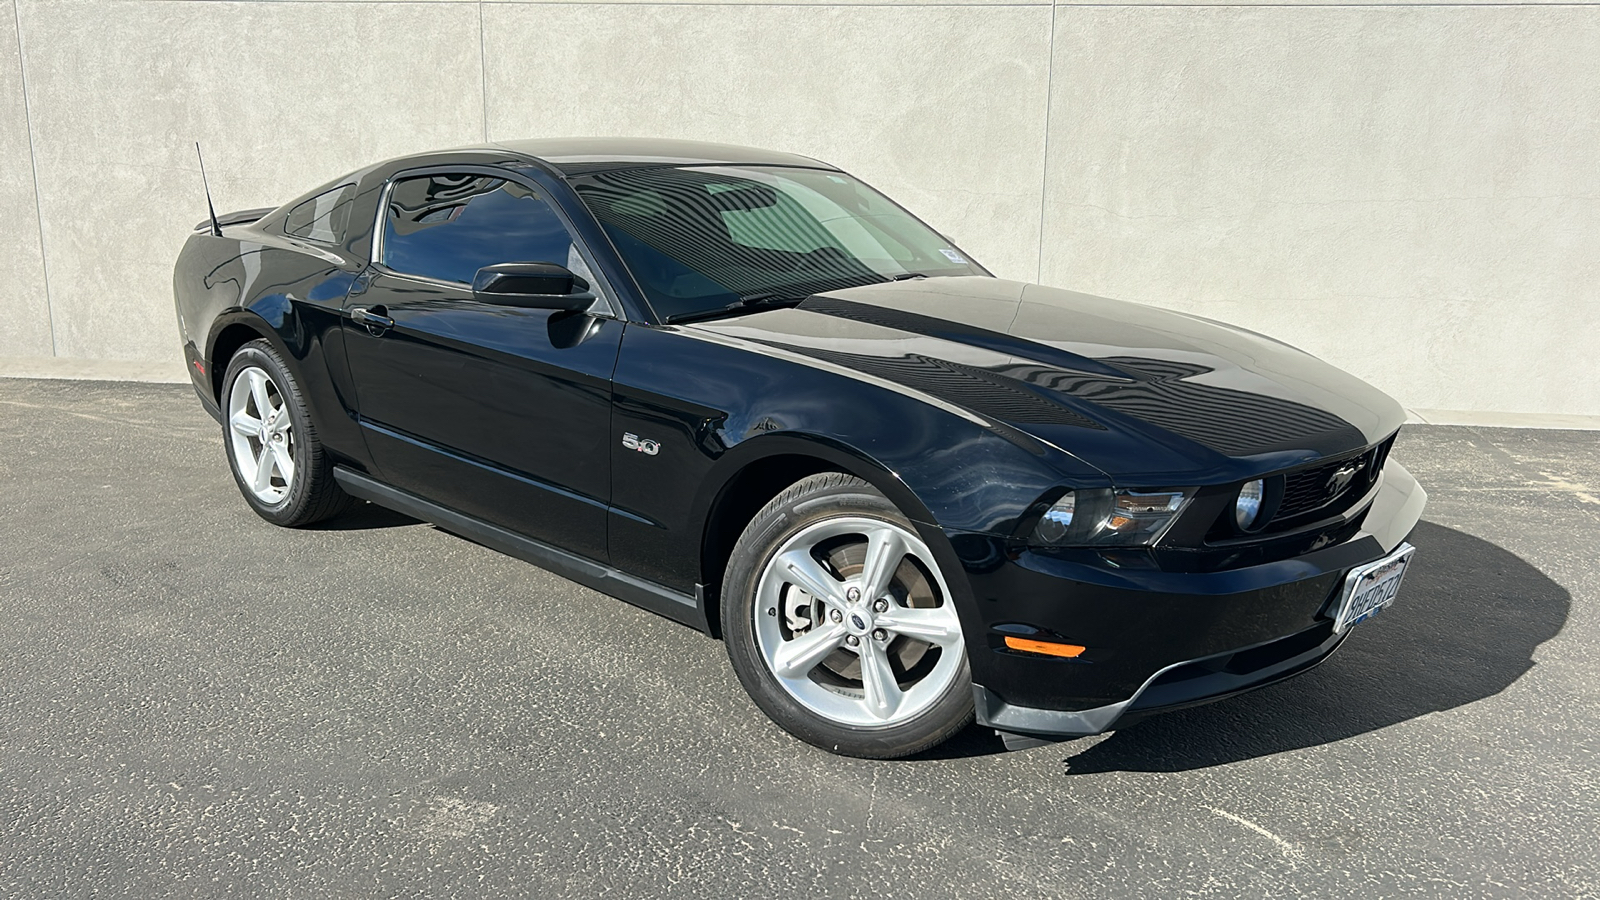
pixel 374 317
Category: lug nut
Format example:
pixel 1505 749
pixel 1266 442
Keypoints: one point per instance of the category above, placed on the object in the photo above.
pixel 852 640
pixel 879 635
pixel 836 615
pixel 853 594
pixel 881 606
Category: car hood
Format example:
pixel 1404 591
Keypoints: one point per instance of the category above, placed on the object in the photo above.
pixel 1121 386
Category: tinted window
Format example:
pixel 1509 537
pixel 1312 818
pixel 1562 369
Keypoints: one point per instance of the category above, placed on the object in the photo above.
pixel 323 217
pixel 450 226
pixel 699 238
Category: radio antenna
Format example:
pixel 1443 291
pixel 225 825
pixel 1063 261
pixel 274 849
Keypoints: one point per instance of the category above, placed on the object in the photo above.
pixel 216 229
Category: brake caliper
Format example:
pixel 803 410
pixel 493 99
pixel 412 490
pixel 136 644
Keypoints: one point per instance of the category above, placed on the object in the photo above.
pixel 797 612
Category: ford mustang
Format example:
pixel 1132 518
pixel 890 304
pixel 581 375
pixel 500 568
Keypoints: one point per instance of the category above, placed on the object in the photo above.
pixel 744 390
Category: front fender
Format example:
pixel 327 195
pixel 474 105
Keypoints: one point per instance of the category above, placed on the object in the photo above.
pixel 717 408
pixel 834 453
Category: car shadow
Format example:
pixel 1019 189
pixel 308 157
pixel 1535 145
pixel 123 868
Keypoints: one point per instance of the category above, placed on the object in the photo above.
pixel 1464 628
pixel 365 516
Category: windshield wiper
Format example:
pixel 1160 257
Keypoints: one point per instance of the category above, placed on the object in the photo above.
pixel 745 303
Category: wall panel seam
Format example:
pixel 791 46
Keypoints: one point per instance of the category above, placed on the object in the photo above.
pixel 1044 166
pixel 33 167
pixel 483 77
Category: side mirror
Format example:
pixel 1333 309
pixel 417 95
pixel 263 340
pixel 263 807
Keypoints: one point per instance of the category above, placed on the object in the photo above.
pixel 531 286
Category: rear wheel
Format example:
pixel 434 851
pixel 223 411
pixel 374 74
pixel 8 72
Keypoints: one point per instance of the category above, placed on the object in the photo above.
pixel 272 444
pixel 841 626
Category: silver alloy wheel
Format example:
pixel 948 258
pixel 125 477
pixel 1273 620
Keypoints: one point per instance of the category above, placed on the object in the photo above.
pixel 873 642
pixel 262 434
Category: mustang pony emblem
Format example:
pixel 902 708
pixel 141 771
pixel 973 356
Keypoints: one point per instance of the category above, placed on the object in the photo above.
pixel 1341 479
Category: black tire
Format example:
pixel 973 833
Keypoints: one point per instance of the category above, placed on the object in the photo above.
pixel 804 504
pixel 312 494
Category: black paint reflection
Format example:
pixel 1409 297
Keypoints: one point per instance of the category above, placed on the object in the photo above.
pixel 1233 422
pixel 1055 387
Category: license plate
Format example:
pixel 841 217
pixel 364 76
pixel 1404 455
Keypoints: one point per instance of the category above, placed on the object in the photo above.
pixel 1371 587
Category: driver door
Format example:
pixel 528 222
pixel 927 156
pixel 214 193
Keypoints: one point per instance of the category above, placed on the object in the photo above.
pixel 496 411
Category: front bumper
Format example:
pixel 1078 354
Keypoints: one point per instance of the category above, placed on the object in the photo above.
pixel 1159 640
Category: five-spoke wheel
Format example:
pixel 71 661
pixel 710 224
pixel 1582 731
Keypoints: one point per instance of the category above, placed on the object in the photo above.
pixel 272 442
pixel 262 432
pixel 840 624
pixel 853 620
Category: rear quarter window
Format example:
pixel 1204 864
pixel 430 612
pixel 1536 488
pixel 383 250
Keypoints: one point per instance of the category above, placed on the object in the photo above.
pixel 323 218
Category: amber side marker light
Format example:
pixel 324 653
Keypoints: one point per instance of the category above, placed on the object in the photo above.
pixel 1046 647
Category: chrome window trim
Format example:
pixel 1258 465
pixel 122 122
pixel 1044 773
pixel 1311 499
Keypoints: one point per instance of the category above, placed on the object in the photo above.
pixel 376 254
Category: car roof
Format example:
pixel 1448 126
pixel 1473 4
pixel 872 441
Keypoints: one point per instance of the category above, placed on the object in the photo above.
pixel 579 156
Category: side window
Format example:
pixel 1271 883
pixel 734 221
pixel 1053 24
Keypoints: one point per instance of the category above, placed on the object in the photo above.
pixel 323 217
pixel 449 226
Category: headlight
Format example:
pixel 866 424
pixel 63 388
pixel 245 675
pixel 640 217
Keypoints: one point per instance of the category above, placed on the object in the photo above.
pixel 1102 517
pixel 1057 521
pixel 1247 509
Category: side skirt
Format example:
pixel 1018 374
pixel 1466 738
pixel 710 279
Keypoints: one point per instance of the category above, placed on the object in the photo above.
pixel 607 580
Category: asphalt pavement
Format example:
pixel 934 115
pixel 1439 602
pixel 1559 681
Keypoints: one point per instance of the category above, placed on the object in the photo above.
pixel 196 703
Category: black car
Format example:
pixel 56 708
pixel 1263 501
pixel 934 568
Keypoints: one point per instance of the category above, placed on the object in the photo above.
pixel 746 391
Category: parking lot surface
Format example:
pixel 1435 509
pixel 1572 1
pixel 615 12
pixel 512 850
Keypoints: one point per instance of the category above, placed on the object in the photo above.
pixel 196 703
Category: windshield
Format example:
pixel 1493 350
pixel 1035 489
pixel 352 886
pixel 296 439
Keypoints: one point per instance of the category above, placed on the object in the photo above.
pixel 706 239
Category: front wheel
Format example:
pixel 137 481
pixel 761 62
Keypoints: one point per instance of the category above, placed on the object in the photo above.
pixel 841 626
pixel 272 443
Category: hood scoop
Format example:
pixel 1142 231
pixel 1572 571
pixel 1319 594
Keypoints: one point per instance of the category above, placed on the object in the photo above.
pixel 988 393
pixel 957 332
pixel 1045 385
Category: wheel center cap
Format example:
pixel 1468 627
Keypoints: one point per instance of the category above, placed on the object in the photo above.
pixel 858 623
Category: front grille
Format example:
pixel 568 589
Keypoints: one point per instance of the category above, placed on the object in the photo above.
pixel 1320 489
pixel 1311 489
pixel 1307 511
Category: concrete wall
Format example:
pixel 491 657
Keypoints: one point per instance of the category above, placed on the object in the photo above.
pixel 1409 191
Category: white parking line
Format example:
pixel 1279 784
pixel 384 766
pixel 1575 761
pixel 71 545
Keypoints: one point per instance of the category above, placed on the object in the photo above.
pixel 1289 849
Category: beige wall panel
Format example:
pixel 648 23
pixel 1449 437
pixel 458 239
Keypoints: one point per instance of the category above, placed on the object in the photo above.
pixel 330 1
pixel 24 312
pixel 940 107
pixel 1412 194
pixel 1045 3
pixel 1302 3
pixel 283 96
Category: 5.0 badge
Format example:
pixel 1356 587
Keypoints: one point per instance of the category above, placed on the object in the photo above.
pixel 643 445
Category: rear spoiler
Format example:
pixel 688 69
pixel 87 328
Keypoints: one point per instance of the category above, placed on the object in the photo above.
pixel 242 217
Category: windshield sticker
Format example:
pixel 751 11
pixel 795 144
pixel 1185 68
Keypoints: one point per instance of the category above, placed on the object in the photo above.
pixel 952 255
